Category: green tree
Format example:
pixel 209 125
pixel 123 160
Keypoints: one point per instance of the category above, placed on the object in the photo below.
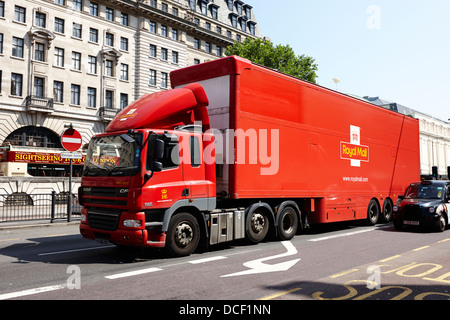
pixel 281 58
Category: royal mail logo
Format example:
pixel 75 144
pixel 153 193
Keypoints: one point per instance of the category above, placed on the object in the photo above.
pixel 353 150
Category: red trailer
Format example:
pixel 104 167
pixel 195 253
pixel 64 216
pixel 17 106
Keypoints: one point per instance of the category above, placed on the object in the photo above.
pixel 237 150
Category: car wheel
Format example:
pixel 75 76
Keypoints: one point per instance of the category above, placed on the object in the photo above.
pixel 441 224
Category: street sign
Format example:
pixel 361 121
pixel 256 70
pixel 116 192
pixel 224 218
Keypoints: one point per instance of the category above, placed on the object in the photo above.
pixel 71 140
pixel 72 155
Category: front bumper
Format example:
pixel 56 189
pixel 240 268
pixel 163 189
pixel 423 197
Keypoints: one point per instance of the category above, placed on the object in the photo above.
pixel 122 235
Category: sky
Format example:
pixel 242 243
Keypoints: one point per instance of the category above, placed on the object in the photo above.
pixel 396 50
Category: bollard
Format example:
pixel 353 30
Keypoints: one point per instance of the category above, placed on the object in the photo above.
pixel 53 206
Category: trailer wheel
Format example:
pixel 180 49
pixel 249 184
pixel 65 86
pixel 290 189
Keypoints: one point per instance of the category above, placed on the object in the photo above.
pixel 386 215
pixel 287 223
pixel 373 212
pixel 183 235
pixel 258 225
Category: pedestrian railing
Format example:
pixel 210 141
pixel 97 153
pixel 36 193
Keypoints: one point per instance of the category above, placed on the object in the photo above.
pixel 52 206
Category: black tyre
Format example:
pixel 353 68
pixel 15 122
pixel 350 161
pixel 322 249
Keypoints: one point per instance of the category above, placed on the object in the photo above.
pixel 257 225
pixel 183 235
pixel 441 224
pixel 287 223
pixel 373 212
pixel 386 213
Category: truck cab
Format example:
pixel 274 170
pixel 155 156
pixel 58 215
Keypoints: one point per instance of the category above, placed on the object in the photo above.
pixel 146 176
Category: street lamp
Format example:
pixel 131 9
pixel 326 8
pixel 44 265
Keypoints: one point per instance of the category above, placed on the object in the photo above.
pixel 336 81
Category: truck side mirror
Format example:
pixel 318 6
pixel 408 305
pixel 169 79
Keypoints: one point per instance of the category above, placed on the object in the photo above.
pixel 159 149
pixel 157 166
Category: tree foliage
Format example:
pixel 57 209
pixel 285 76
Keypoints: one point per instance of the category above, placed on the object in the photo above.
pixel 281 58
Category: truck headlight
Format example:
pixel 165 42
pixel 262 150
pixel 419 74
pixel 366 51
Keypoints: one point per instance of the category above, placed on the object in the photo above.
pixel 395 209
pixel 132 223
pixel 431 209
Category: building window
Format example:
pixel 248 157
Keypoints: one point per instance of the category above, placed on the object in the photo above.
pixel 152 78
pixel 17 47
pixel 75 94
pixel 58 90
pixel 109 14
pixel 164 54
pixel 196 43
pixel 153 3
pixel 193 4
pixel 152 51
pixel 214 12
pixel 93 9
pixel 16 84
pixel 78 5
pixel 124 72
pixel 40 20
pixel 164 7
pixel 109 69
pixel 38 87
pixel 1 43
pixel 123 100
pixel 2 8
pixel 77 30
pixel 175 57
pixel 175 12
pixel 152 27
pixel 208 26
pixel 109 99
pixel 93 35
pixel 92 64
pixel 208 47
pixel 39 51
pixel 59 25
pixel 219 51
pixel 61 2
pixel 164 80
pixel 204 7
pixel 163 31
pixel 92 98
pixel 19 14
pixel 76 60
pixel 230 5
pixel 59 57
pixel 109 40
pixel 123 44
pixel 124 19
pixel 196 61
pixel 175 34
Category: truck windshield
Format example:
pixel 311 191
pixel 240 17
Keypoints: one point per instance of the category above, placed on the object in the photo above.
pixel 420 191
pixel 116 155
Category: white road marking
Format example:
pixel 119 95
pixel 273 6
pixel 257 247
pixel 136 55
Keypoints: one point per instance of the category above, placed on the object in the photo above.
pixel 207 260
pixel 30 292
pixel 74 250
pixel 132 273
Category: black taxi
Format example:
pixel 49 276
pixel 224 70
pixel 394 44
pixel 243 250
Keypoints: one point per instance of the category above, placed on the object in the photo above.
pixel 425 204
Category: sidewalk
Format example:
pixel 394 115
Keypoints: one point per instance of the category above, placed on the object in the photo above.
pixel 37 223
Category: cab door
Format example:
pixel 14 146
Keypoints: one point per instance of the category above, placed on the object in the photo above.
pixel 193 166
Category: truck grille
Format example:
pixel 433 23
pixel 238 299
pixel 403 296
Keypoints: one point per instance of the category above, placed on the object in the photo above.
pixel 107 219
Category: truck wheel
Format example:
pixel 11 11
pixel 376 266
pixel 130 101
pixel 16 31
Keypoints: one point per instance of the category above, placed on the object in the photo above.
pixel 373 212
pixel 287 223
pixel 183 235
pixel 258 225
pixel 386 215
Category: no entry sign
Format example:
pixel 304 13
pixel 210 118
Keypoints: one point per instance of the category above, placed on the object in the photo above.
pixel 71 140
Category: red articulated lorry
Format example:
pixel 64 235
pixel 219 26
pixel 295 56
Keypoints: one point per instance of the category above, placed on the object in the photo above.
pixel 236 150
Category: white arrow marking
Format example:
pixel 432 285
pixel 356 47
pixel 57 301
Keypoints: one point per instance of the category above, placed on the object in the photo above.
pixel 258 266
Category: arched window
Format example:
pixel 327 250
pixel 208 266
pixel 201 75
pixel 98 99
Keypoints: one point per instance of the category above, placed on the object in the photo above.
pixel 34 137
